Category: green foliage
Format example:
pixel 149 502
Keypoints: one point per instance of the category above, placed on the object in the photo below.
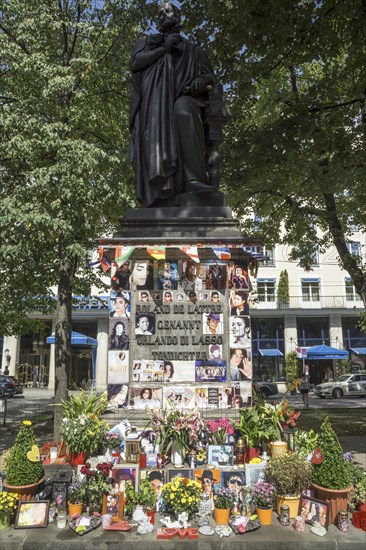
pixel 291 367
pixel 342 367
pixel 306 442
pixel 283 291
pixel 333 472
pixel 259 425
pixel 289 472
pixel 21 470
pixel 145 496
pixel 358 478
pixel 86 402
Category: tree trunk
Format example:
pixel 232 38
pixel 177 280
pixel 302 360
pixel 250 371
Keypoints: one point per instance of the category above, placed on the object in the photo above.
pixel 63 339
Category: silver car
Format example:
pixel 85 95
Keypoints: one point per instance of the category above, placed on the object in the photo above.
pixel 347 384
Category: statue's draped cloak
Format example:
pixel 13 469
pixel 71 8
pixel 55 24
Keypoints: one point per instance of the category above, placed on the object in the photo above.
pixel 154 150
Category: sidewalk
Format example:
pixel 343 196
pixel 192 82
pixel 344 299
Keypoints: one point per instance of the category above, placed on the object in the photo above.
pixel 273 537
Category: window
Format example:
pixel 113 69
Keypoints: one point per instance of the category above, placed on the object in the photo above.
pixel 266 290
pixel 269 251
pixel 351 294
pixel 310 290
pixel 354 248
pixel 314 256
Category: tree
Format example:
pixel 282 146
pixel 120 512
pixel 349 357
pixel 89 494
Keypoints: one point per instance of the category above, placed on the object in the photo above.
pixel 64 156
pixel 283 292
pixel 295 149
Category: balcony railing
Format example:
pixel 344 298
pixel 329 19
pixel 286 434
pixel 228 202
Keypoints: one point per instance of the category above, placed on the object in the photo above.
pixel 325 302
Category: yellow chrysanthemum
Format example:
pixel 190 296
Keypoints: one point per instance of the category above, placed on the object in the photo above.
pixel 171 496
pixel 27 423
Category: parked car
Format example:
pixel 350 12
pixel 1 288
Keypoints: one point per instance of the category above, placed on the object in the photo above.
pixel 265 388
pixel 7 386
pixel 19 387
pixel 346 384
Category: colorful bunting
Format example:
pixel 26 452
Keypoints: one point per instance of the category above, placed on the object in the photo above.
pixel 105 264
pixel 222 252
pixel 191 251
pixel 157 252
pixel 122 254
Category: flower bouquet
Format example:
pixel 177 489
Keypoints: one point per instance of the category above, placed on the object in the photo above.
pixel 85 433
pixel 76 492
pixel 97 484
pixel 224 498
pixel 217 431
pixel 175 426
pixel 264 494
pixel 8 504
pixel 181 495
pixel 112 441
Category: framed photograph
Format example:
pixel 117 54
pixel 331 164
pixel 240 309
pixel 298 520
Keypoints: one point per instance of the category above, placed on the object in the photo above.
pixel 184 472
pixel 114 503
pixel 32 514
pixel 254 473
pixel 312 509
pixel 235 480
pixel 122 473
pixel 157 480
pixel 209 479
pixel 220 455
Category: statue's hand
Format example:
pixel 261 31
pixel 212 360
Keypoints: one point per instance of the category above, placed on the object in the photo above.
pixel 171 40
pixel 154 41
pixel 198 86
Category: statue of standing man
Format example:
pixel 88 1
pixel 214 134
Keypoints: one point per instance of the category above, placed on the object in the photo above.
pixel 170 81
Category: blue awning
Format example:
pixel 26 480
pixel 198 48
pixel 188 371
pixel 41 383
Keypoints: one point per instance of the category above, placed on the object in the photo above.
pixel 359 351
pixel 311 280
pixel 77 339
pixel 326 352
pixel 270 352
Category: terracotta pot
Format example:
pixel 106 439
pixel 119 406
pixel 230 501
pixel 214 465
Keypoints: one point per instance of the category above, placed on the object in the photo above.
pixel 252 452
pixel 77 459
pixel 362 507
pixel 337 498
pixel 25 492
pixel 292 502
pixel 278 448
pixel 264 515
pixel 75 508
pixel 222 516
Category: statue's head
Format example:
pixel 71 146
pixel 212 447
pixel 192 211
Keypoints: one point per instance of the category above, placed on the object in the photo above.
pixel 169 16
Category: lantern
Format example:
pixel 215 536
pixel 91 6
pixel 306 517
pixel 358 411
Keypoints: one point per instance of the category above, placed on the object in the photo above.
pixel 60 488
pixel 133 447
pixel 289 436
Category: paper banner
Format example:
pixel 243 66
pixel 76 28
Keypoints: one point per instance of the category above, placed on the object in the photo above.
pixel 122 254
pixel 158 252
pixel 191 252
pixel 222 252
pixel 103 260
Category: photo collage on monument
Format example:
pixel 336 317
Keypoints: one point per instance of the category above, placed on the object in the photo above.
pixel 177 322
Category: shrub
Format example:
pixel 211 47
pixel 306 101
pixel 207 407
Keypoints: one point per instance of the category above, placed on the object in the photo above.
pixel 290 473
pixel 21 470
pixel 333 472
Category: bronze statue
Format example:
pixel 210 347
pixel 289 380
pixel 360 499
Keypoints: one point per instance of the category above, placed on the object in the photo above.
pixel 170 145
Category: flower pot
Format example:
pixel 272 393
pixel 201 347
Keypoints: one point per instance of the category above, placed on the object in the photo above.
pixel 139 513
pixel 77 459
pixel 24 492
pixel 337 498
pixel 278 448
pixel 252 452
pixel 177 456
pixel 264 515
pixel 292 503
pixel 221 516
pixel 5 519
pixel 75 508
pixel 362 507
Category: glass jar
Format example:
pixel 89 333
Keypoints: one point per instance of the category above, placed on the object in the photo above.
pixel 342 521
pixel 240 451
pixel 285 515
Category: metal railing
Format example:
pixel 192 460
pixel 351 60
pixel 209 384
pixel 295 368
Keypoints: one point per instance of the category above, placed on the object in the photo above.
pixel 324 302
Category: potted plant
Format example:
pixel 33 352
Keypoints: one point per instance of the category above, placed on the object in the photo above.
pixel 144 498
pixel 331 477
pixel 358 495
pixel 83 434
pixel 97 485
pixel 224 500
pixel 218 431
pixel 76 495
pixel 258 426
pixel 24 473
pixel 8 504
pixel 181 495
pixel 263 496
pixel 290 473
pixel 292 371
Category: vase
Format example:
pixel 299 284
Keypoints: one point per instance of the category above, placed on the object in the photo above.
pixel 5 519
pixel 292 502
pixel 337 498
pixel 252 452
pixel 264 515
pixel 75 508
pixel 278 448
pixel 77 458
pixel 222 516
pixel 24 492
pixel 139 513
pixel 177 456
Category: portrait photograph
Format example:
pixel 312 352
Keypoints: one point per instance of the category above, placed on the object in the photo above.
pixel 122 473
pixel 216 273
pixel 254 473
pixel 212 323
pixel 192 276
pixel 118 371
pixel 32 514
pixel 239 302
pixel 215 352
pixel 241 395
pixel 142 275
pixel 238 275
pixel 179 371
pixel 113 503
pixel 233 479
pixel 220 455
pixel 176 472
pixel 179 396
pixel 314 510
pixel 120 279
pixel 157 480
pixel 145 324
pixel 239 332
pixel 209 479
pixel 148 371
pixel 151 397
pixel 119 334
pixel 119 304
pixel 117 396
pixel 168 275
